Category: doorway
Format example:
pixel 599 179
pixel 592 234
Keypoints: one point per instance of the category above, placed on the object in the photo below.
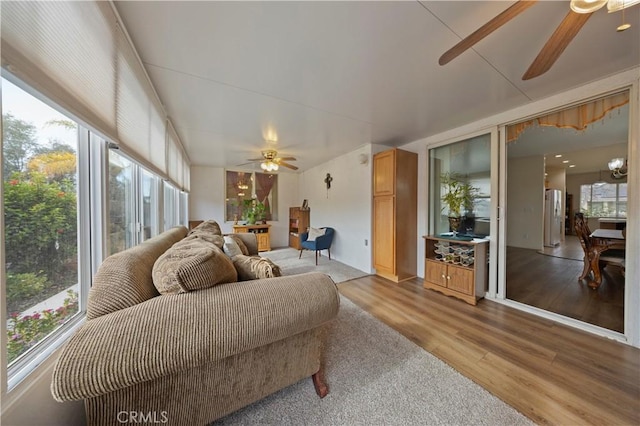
pixel 557 165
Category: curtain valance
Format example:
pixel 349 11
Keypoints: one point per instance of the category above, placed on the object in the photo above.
pixel 578 117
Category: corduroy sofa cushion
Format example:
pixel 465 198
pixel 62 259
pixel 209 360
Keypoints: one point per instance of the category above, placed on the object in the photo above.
pixel 124 279
pixel 192 264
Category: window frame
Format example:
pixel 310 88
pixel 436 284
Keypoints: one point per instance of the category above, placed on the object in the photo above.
pixel 271 214
pixel 13 375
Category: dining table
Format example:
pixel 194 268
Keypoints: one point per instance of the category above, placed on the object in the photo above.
pixel 608 234
pixel 614 239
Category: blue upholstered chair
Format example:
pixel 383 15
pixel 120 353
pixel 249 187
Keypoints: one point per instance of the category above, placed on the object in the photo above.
pixel 321 243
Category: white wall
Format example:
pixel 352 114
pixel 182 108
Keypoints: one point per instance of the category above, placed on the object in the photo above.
pixel 346 207
pixel 207 197
pixel 525 201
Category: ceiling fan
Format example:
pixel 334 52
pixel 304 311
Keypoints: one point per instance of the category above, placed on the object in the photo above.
pixel 580 11
pixel 270 162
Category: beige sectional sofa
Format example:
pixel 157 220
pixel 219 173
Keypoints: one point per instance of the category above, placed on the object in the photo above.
pixel 193 357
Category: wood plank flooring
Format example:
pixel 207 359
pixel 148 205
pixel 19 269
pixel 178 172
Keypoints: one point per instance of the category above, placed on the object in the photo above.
pixel 551 283
pixel 551 373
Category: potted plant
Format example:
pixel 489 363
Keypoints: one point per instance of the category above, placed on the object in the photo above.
pixel 459 196
pixel 253 211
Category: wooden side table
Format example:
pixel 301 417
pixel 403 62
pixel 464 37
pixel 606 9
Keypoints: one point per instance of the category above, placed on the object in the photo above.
pixel 262 234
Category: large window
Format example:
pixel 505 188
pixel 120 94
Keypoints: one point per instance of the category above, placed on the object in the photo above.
pixel 604 200
pixel 122 203
pixel 51 172
pixel 171 206
pixel 40 195
pixel 245 190
pixel 149 203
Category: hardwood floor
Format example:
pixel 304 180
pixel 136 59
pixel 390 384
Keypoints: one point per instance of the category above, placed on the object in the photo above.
pixel 551 373
pixel 556 288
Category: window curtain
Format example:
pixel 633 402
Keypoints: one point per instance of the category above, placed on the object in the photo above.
pixel 264 183
pixel 577 118
pixel 79 55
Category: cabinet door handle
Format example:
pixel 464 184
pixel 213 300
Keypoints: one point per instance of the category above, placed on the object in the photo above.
pixel 442 275
pixel 448 277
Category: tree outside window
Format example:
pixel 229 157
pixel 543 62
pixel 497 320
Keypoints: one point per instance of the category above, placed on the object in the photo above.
pixel 41 226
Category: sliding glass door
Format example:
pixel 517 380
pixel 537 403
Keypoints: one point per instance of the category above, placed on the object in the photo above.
pixel 568 162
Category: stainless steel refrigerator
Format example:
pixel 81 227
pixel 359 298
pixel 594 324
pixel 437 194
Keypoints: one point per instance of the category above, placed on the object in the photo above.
pixel 553 217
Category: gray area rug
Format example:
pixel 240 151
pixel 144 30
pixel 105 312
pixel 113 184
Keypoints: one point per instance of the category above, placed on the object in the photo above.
pixel 378 377
pixel 287 260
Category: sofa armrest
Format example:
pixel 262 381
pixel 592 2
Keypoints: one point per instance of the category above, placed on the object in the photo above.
pixel 172 333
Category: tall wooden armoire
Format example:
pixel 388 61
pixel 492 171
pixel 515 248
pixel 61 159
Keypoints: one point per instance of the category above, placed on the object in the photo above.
pixel 395 216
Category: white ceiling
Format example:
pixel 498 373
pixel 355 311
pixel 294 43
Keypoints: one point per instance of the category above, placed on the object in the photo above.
pixel 323 78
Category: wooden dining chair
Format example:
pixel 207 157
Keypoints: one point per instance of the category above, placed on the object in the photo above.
pixel 597 252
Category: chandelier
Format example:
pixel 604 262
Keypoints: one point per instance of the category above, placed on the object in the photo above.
pixel 618 167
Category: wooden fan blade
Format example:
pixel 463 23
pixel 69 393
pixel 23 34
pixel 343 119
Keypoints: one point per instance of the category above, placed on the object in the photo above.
pixel 468 42
pixel 255 159
pixel 244 164
pixel 287 158
pixel 291 166
pixel 559 40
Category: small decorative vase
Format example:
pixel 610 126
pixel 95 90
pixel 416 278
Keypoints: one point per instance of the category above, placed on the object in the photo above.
pixel 454 224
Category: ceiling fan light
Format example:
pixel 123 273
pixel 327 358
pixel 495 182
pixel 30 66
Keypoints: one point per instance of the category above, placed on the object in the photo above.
pixel 616 5
pixel 263 166
pixel 616 163
pixel 587 6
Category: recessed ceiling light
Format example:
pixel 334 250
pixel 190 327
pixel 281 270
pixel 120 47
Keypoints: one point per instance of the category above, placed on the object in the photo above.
pixel 572 165
pixel 558 155
pixel 565 161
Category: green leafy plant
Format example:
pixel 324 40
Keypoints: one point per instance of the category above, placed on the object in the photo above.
pixel 40 226
pixel 253 211
pixel 458 194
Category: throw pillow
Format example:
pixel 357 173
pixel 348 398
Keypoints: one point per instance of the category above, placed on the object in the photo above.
pixel 255 267
pixel 315 233
pixel 190 265
pixel 241 244
pixel 231 247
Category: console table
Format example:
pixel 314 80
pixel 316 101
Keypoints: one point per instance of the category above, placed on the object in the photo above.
pixel 456 267
pixel 262 234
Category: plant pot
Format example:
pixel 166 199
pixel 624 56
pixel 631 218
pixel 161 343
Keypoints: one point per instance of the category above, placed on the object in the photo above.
pixel 454 223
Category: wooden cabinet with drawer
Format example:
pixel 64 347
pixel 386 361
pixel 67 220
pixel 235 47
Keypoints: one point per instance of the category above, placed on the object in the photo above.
pixel 456 268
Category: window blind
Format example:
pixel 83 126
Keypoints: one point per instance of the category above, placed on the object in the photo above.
pixel 66 51
pixel 177 160
pixel 79 55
